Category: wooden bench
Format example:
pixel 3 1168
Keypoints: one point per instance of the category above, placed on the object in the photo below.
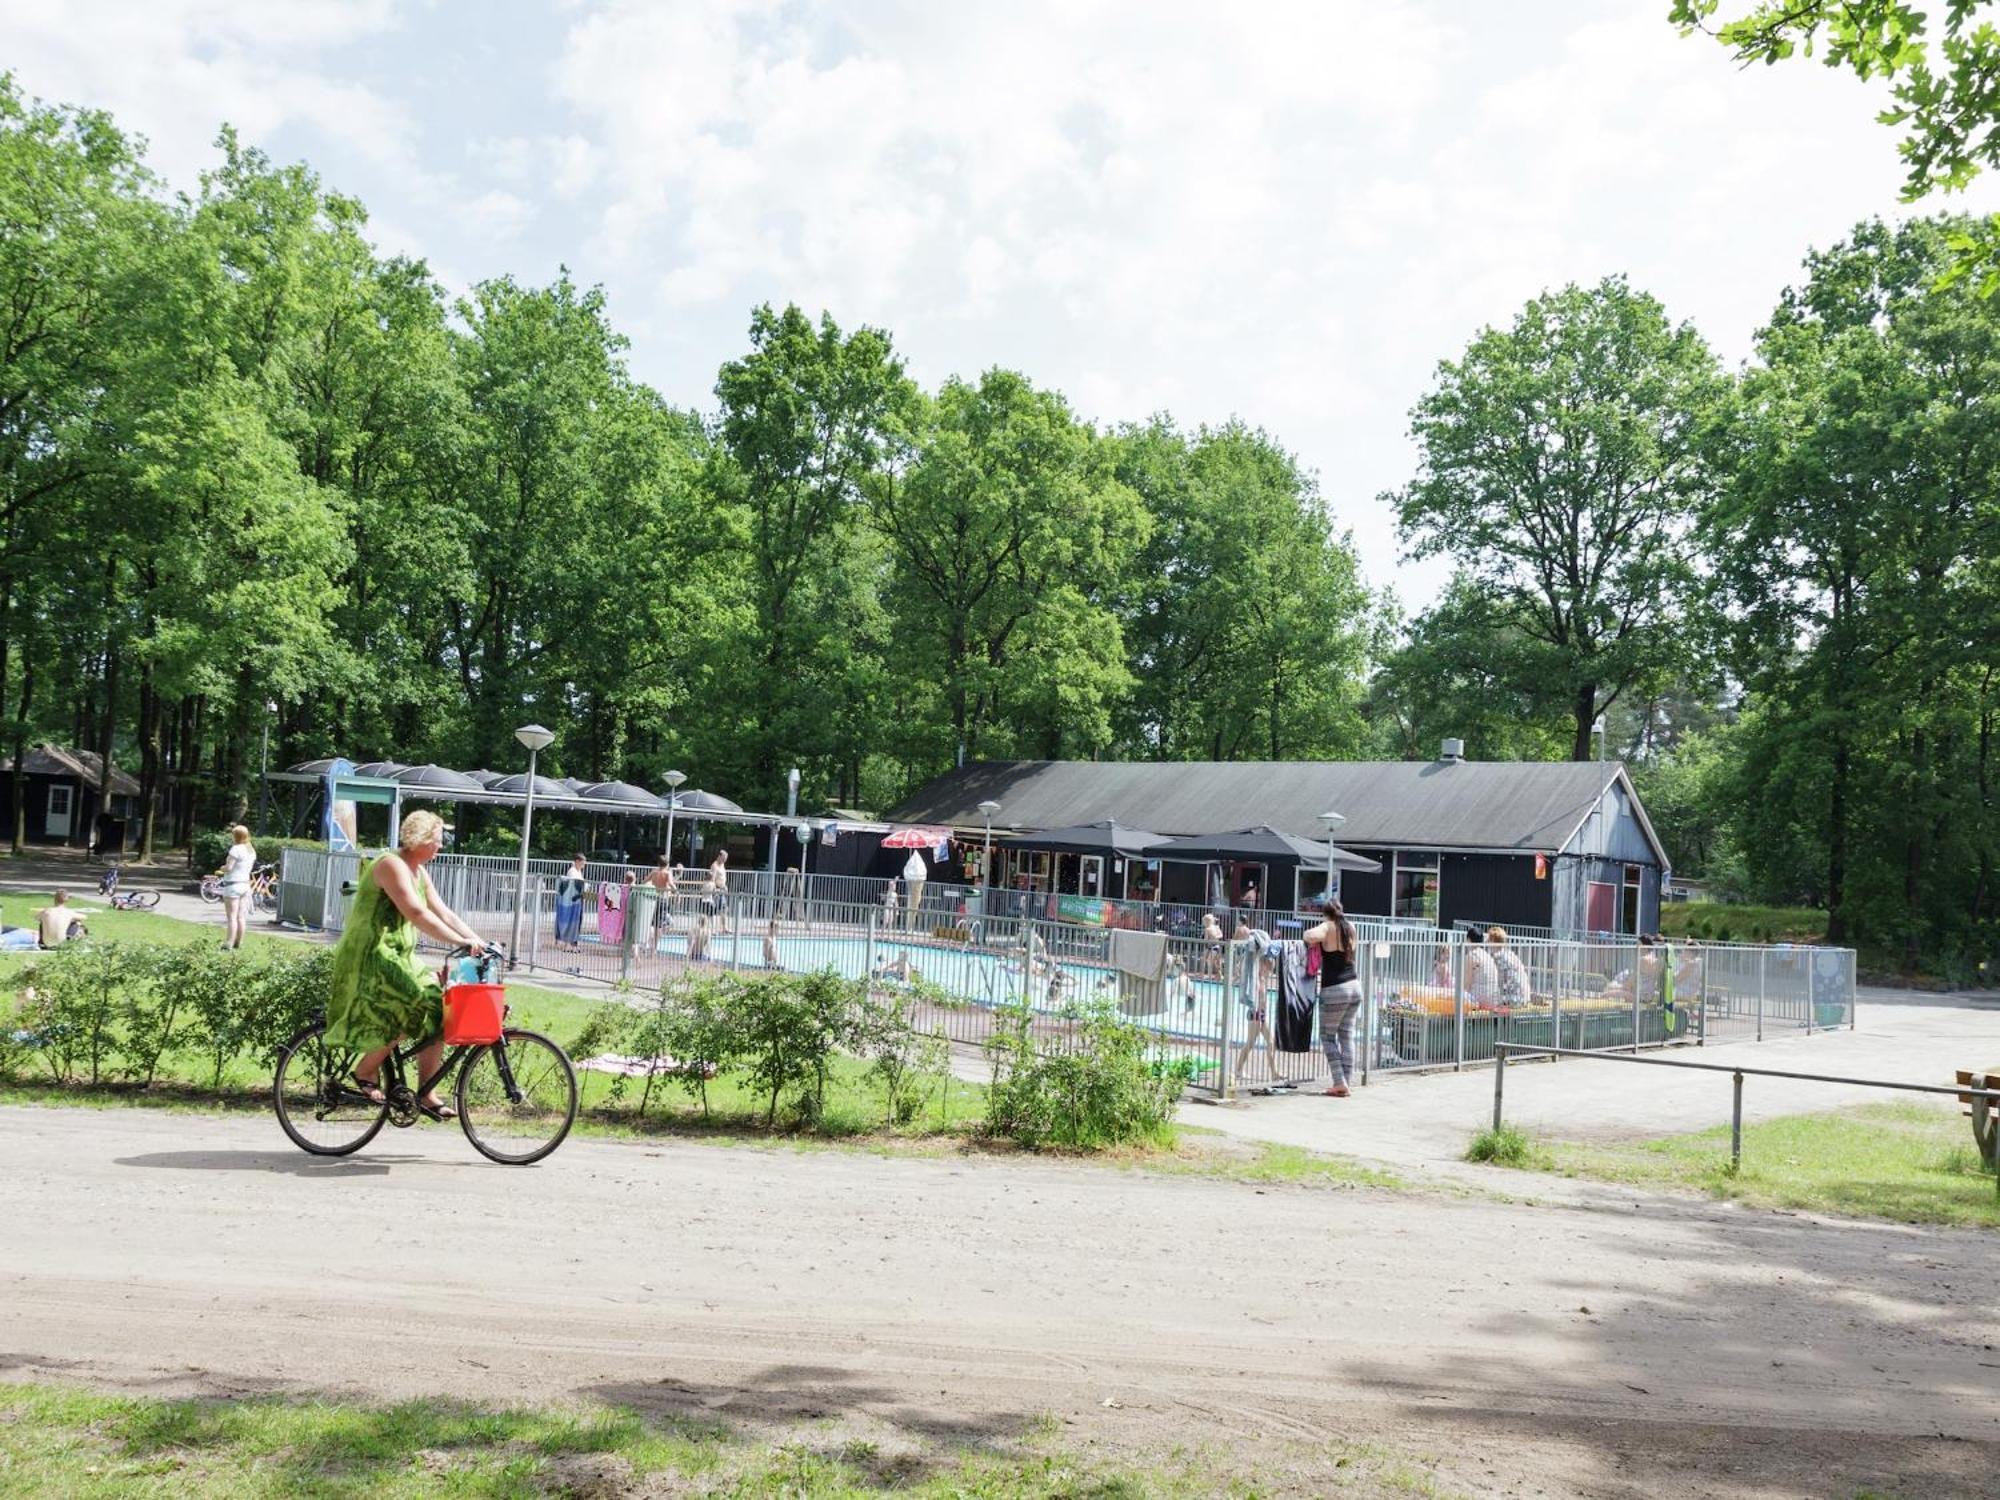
pixel 1985 1112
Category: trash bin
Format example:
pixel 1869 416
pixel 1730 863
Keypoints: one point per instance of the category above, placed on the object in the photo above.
pixel 642 911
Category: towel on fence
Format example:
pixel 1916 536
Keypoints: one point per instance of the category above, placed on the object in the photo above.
pixel 1143 955
pixel 1298 998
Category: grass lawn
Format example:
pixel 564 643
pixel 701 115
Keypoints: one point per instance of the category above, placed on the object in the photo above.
pixel 1914 1163
pixel 77 1443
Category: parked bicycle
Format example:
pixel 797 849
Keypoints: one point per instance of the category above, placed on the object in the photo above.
pixel 516 1095
pixel 263 889
pixel 107 887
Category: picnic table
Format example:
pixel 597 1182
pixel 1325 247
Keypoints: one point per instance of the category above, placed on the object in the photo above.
pixel 1985 1112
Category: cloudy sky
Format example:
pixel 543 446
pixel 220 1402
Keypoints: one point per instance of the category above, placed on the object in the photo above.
pixel 1287 212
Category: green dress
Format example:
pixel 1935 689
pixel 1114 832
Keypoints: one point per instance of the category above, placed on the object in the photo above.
pixel 381 990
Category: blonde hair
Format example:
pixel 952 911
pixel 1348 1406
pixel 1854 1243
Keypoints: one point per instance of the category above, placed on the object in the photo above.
pixel 1496 934
pixel 420 827
pixel 240 834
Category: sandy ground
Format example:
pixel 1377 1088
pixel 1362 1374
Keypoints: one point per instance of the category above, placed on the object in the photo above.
pixel 1604 1345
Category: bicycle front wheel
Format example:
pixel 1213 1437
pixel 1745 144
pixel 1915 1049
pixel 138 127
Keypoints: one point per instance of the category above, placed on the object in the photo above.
pixel 211 890
pixel 141 900
pixel 517 1098
pixel 265 899
pixel 319 1103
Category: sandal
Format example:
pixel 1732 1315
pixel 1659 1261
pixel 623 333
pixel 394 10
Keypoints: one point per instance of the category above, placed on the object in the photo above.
pixel 439 1111
pixel 371 1089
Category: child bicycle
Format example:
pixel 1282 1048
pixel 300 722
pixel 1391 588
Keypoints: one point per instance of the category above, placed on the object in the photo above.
pixel 107 887
pixel 516 1089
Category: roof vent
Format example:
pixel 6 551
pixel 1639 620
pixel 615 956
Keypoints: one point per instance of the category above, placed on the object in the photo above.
pixel 1453 750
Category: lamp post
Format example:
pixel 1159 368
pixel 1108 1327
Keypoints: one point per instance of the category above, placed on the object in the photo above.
pixel 264 767
pixel 986 811
pixel 1332 820
pixel 791 810
pixel 673 780
pixel 536 739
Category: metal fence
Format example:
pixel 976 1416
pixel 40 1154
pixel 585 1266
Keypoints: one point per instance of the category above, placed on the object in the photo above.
pixel 1427 1000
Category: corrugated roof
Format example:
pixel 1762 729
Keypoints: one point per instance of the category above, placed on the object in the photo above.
pixel 1525 805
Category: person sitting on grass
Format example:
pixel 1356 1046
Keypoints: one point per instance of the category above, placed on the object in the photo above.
pixel 58 923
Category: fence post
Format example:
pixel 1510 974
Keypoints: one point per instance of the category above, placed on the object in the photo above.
pixel 535 928
pixel 1458 1010
pixel 1736 1122
pixel 1638 989
pixel 1228 1060
pixel 732 912
pixel 1760 994
pixel 1556 999
pixel 1854 1002
pixel 1499 1080
pixel 1367 1006
pixel 1701 1015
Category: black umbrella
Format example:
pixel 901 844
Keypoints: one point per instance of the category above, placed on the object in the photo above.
pixel 312 767
pixel 517 785
pixel 380 768
pixel 486 778
pixel 1107 836
pixel 625 794
pixel 701 802
pixel 438 779
pixel 1261 843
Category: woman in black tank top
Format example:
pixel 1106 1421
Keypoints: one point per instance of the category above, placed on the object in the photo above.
pixel 1339 993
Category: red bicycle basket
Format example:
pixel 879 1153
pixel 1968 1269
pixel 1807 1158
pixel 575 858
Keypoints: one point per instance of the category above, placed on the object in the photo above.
pixel 474 1013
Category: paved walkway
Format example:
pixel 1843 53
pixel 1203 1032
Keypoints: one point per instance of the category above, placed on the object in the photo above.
pixel 1421 1123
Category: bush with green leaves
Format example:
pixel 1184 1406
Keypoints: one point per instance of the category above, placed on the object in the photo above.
pixel 208 848
pixel 77 1003
pixel 1094 1086
pixel 691 1022
pixel 786 1028
pixel 910 1064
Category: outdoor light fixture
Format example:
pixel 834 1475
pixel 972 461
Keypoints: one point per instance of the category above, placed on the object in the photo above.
pixel 673 780
pixel 1332 820
pixel 987 810
pixel 536 739
pixel 263 768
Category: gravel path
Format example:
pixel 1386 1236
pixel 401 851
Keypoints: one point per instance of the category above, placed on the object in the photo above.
pixel 1605 1345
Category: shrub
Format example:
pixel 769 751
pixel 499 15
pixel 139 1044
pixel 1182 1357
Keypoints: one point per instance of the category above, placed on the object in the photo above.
pixel 786 1028
pixel 79 998
pixel 910 1064
pixel 693 1024
pixel 1097 1090
pixel 216 991
pixel 207 848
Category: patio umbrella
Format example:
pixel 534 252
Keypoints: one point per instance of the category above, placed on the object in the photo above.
pixel 704 802
pixel 486 778
pixel 380 768
pixel 917 839
pixel 438 779
pixel 313 767
pixel 569 784
pixel 625 794
pixel 517 785
pixel 1107 836
pixel 1260 843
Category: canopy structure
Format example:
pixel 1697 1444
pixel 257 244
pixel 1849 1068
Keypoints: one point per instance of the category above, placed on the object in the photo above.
pixel 917 838
pixel 545 789
pixel 438 780
pixel 386 768
pixel 1107 836
pixel 1261 843
pixel 699 802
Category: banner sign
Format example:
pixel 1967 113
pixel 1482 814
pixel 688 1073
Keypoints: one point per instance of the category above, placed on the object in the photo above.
pixel 1082 909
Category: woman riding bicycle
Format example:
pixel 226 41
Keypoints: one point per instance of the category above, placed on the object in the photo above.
pixel 382 992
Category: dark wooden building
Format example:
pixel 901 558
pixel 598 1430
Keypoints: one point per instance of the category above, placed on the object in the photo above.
pixel 1557 844
pixel 60 798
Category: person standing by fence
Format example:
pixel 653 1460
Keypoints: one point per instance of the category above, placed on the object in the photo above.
pixel 1339 994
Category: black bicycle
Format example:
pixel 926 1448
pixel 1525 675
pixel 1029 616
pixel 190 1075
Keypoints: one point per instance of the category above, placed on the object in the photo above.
pixel 516 1097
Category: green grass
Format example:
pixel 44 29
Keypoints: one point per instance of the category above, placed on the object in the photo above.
pixel 93 1446
pixel 1508 1146
pixel 1912 1163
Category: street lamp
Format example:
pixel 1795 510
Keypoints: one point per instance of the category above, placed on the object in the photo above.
pixel 536 739
pixel 264 767
pixel 791 811
pixel 1333 820
pixel 986 811
pixel 673 780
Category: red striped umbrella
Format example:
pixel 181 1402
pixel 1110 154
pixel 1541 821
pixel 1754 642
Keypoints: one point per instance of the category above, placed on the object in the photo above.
pixel 916 838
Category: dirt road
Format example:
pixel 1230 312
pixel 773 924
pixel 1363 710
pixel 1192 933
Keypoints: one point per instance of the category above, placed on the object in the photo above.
pixel 1615 1347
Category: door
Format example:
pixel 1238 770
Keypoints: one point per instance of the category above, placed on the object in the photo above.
pixel 1602 905
pixel 1090 875
pixel 57 824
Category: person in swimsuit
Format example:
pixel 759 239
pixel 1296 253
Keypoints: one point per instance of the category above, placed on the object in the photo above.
pixel 382 992
pixel 1339 993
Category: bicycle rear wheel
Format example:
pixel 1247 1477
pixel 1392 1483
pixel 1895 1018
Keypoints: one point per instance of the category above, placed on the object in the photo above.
pixel 211 889
pixel 525 1122
pixel 319 1104
pixel 140 900
pixel 265 898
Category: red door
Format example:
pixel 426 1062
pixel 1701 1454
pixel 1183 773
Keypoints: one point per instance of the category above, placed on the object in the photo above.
pixel 1599 914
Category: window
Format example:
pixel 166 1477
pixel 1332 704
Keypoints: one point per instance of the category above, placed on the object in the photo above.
pixel 1416 888
pixel 1631 908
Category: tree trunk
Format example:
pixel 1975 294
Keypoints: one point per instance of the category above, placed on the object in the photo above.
pixel 1585 709
pixel 17 775
pixel 105 739
pixel 149 762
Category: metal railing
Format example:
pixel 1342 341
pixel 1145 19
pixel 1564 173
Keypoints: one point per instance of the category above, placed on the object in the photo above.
pixel 1738 1074
pixel 1428 1002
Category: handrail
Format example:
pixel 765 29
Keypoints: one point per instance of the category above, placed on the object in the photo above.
pixel 1503 1050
